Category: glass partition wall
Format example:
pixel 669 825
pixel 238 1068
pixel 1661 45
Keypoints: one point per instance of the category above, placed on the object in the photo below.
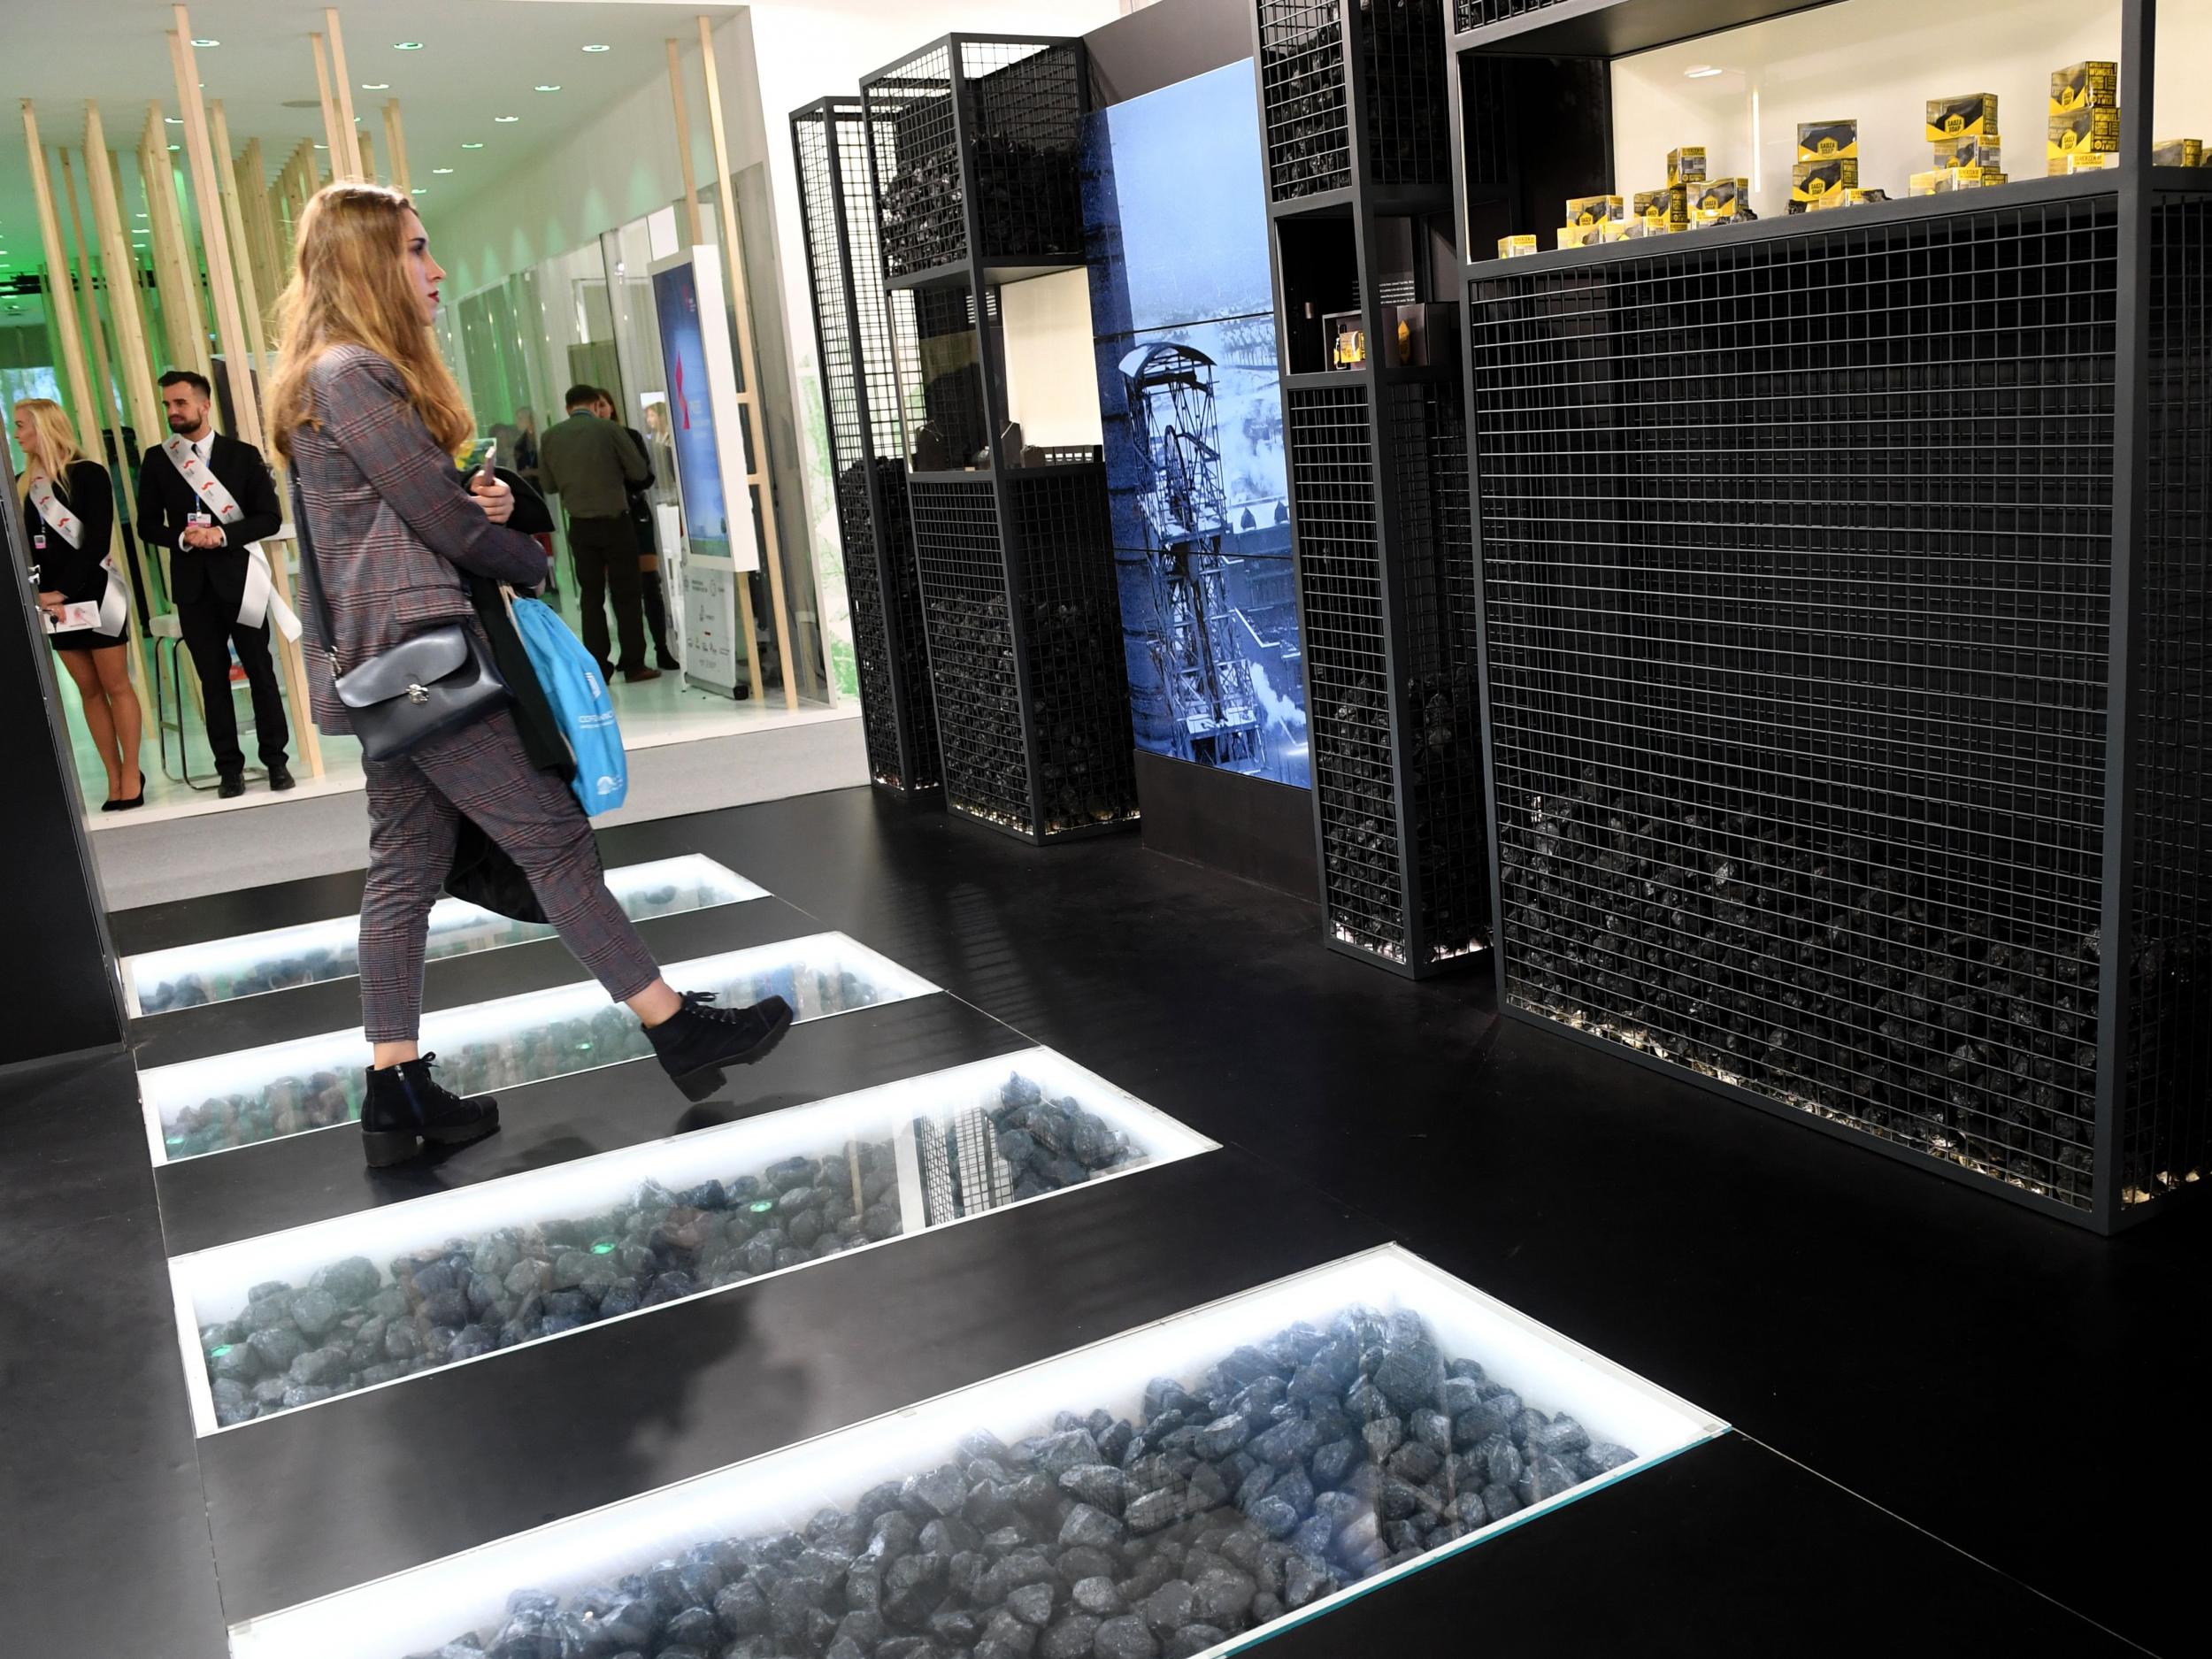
pixel 586 316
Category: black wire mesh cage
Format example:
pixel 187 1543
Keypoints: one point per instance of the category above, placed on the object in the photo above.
pixel 1305 102
pixel 1017 108
pixel 864 333
pixel 1480 14
pixel 1798 555
pixel 1393 703
pixel 1024 640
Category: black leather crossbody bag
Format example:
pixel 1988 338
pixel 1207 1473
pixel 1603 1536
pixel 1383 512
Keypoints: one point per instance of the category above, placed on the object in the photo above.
pixel 430 683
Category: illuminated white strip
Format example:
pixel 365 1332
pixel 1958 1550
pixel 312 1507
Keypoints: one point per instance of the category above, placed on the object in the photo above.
pixel 167 1091
pixel 455 928
pixel 416 1610
pixel 211 1285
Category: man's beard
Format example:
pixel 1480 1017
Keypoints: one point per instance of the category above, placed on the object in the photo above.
pixel 183 423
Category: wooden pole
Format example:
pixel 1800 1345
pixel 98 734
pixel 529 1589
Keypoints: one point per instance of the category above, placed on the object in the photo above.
pixel 62 307
pixel 135 370
pixel 148 324
pixel 740 305
pixel 135 361
pixel 342 158
pixel 237 351
pixel 694 232
pixel 396 146
pixel 368 156
pixel 343 80
pixel 173 277
pixel 235 233
pixel 253 190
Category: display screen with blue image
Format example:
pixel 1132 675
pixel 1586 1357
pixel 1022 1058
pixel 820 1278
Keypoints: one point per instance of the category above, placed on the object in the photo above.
pixel 1175 206
pixel 691 412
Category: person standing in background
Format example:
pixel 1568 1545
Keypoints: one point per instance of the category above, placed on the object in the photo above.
pixel 648 552
pixel 591 464
pixel 209 498
pixel 68 517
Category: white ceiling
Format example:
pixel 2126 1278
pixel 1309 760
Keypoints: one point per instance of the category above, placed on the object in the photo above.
pixel 480 59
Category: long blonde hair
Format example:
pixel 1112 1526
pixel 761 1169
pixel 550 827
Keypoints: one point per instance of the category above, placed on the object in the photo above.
pixel 352 288
pixel 58 450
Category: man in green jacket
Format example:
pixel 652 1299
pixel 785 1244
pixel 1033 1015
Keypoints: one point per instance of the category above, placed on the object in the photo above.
pixel 591 464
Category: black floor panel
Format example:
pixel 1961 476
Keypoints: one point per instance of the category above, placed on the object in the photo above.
pixel 289 1182
pixel 1727 1548
pixel 374 1482
pixel 248 910
pixel 479 976
pixel 107 1548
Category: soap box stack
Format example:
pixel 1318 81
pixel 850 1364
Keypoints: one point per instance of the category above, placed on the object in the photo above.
pixel 1967 149
pixel 1827 165
pixel 2085 121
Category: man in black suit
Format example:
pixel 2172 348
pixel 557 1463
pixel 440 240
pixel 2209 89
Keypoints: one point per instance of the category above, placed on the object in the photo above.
pixel 211 570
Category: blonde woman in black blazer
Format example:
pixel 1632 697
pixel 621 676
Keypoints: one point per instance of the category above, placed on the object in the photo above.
pixel 69 575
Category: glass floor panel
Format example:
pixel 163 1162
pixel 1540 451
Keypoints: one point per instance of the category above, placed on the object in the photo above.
pixel 273 1324
pixel 221 969
pixel 1177 1489
pixel 227 1101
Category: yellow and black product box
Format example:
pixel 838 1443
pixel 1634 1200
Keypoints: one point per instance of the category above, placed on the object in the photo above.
pixel 1969 115
pixel 1347 334
pixel 1719 200
pixel 1686 165
pixel 1810 181
pixel 1594 210
pixel 2092 131
pixel 1582 236
pixel 1515 247
pixel 1827 141
pixel 1982 153
pixel 2090 86
pixel 2177 153
pixel 1663 211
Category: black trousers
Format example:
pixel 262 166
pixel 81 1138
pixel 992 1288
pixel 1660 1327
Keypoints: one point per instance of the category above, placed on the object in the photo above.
pixel 210 625
pixel 605 551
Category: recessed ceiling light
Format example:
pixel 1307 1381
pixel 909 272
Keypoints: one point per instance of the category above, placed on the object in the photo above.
pixel 173 120
pixel 422 189
pixel 598 48
pixel 406 46
pixel 477 145
pixel 376 86
pixel 176 146
pixel 542 86
pixel 1704 71
pixel 322 146
pixel 441 170
pixel 138 216
pixel 503 118
pixel 205 44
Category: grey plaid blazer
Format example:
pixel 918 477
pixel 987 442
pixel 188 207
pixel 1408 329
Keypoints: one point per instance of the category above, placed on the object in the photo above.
pixel 394 527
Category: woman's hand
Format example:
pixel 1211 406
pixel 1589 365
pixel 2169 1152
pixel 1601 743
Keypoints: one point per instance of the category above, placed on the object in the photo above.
pixel 494 496
pixel 52 602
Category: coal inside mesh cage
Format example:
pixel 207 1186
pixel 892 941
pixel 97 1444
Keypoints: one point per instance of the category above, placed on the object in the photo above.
pixel 1798 557
pixel 1402 88
pixel 972 648
pixel 1302 97
pixel 1478 14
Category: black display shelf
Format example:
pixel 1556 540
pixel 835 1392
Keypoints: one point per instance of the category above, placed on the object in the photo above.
pixel 1844 658
pixel 974 152
pixel 1353 102
pixel 862 333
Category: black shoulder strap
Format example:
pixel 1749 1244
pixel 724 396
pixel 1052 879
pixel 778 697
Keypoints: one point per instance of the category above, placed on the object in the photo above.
pixel 311 577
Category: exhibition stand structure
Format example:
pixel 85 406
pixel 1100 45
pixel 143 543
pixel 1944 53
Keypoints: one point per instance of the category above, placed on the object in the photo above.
pixel 974 150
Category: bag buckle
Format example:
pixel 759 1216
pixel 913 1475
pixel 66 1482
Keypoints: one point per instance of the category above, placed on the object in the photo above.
pixel 416 693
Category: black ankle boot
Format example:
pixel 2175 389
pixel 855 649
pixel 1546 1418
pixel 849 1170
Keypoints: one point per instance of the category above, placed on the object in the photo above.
pixel 406 1107
pixel 698 1040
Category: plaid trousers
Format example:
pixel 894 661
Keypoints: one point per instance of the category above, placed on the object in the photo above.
pixel 415 806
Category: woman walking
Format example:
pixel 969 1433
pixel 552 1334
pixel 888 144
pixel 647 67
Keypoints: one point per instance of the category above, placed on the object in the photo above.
pixel 372 422
pixel 68 516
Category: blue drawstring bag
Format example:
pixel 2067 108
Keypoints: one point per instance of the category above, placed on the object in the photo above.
pixel 581 706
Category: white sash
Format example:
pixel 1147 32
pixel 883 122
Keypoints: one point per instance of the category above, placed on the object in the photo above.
pixel 114 606
pixel 260 601
pixel 204 484
pixel 63 522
